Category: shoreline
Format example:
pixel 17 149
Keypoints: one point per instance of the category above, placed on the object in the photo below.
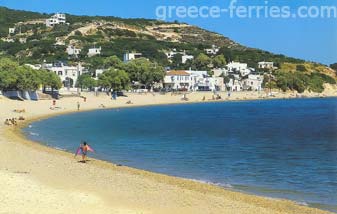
pixel 228 197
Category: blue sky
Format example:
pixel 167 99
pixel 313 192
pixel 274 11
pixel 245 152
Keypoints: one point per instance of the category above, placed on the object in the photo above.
pixel 313 39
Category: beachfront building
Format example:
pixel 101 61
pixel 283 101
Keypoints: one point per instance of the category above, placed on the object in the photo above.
pixel 208 83
pixel 253 82
pixel 131 56
pixel 73 51
pixel 212 51
pixel 68 74
pixel 177 80
pixel 185 57
pixel 94 51
pixel 189 80
pixel 266 65
pixel 56 19
pixel 235 85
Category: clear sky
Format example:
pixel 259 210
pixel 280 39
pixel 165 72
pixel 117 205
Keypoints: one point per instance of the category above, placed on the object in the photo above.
pixel 312 39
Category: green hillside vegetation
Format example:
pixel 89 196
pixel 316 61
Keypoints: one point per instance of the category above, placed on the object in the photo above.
pixel 152 38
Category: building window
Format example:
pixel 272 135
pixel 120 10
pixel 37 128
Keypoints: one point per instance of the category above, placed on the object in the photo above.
pixel 60 73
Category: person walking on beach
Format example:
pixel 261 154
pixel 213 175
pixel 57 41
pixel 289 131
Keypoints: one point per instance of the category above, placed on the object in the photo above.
pixel 84 151
pixel 78 106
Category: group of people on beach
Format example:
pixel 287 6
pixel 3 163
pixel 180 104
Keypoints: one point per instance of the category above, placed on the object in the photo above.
pixel 13 121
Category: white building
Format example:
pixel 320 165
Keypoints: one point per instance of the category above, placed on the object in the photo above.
pixel 35 67
pixel 253 82
pixel 237 67
pixel 73 51
pixel 23 40
pixel 192 81
pixel 131 56
pixel 185 57
pixel 94 51
pixel 177 80
pixel 212 51
pixel 266 65
pixel 6 39
pixel 58 18
pixel 172 53
pixel 11 30
pixel 235 85
pixel 67 74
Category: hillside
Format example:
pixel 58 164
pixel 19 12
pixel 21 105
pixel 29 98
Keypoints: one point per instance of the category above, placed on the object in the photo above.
pixel 33 42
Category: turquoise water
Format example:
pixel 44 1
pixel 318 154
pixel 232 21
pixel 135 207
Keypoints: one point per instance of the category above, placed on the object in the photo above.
pixel 279 148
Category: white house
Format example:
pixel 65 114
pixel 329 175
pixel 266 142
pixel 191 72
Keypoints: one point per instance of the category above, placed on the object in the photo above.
pixel 57 18
pixel 131 56
pixel 172 53
pixel 177 80
pixel 23 40
pixel 185 57
pixel 190 80
pixel 94 51
pixel 266 65
pixel 212 51
pixel 73 51
pixel 11 30
pixel 253 82
pixel 235 85
pixel 68 74
pixel 237 67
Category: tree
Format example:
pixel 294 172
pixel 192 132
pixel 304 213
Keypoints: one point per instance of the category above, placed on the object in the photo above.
pixel 176 60
pixel 202 61
pixel 85 81
pixel 114 62
pixel 27 79
pixel 16 77
pixel 114 79
pixel 143 71
pixel 8 74
pixel 51 79
pixel 219 61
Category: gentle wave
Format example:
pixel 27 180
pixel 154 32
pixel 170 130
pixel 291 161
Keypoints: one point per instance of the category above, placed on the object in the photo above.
pixel 34 134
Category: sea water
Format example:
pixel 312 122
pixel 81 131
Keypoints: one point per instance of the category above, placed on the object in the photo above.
pixel 276 148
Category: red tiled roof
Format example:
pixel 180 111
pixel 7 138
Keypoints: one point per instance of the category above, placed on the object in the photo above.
pixel 177 73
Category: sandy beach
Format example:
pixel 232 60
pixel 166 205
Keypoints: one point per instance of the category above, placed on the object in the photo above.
pixel 38 179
